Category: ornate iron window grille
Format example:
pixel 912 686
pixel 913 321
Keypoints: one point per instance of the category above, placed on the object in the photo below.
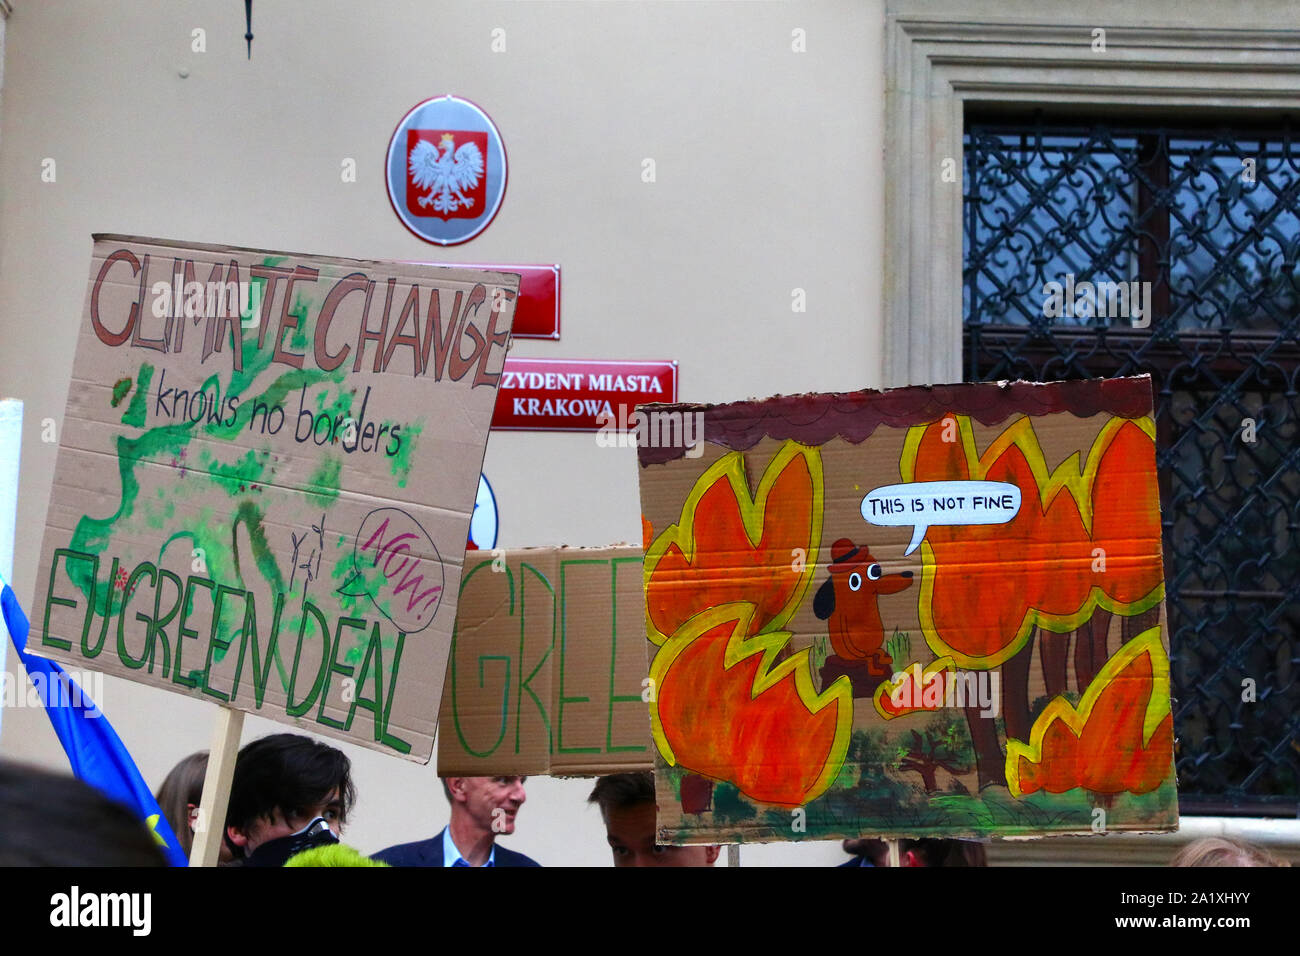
pixel 1210 217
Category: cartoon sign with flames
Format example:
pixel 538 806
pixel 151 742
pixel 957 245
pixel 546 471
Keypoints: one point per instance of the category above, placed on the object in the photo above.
pixel 924 612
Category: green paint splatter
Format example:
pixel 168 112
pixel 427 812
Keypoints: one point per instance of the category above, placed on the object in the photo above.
pixel 216 533
pixel 237 477
pixel 339 408
pixel 401 462
pixel 358 604
pixel 120 388
pixel 92 535
pixel 324 481
pixel 251 517
pixel 135 412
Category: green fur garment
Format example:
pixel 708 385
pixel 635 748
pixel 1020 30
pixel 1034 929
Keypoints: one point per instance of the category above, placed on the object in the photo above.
pixel 334 855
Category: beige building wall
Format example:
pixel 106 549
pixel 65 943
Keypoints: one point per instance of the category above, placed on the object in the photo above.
pixel 768 179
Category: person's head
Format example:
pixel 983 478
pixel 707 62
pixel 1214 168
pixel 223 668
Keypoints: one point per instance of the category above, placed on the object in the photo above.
pixel 1224 851
pixel 941 853
pixel 49 819
pixel 282 783
pixel 627 805
pixel 179 796
pixel 485 804
pixel 875 850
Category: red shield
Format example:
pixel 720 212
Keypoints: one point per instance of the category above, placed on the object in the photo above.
pixel 446 173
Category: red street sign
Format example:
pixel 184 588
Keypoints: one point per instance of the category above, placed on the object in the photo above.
pixel 537 313
pixel 570 395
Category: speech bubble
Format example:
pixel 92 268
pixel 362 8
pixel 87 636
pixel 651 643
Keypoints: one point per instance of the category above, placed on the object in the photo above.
pixel 925 503
pixel 396 565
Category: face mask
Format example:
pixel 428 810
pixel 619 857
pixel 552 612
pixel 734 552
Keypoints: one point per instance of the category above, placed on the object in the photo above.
pixel 275 852
pixel 316 828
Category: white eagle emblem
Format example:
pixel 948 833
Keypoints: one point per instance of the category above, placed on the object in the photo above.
pixel 446 175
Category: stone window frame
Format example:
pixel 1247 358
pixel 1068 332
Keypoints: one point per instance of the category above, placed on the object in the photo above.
pixel 936 62
pixel 940 56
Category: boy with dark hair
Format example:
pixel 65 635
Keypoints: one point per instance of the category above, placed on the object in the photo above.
pixel 289 793
pixel 627 805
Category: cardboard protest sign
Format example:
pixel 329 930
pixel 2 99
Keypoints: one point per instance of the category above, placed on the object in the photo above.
pixel 265 477
pixel 921 612
pixel 547 672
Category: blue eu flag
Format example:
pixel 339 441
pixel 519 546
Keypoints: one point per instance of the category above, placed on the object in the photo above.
pixel 94 750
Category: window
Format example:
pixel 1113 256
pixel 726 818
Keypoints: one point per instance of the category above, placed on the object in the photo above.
pixel 1175 253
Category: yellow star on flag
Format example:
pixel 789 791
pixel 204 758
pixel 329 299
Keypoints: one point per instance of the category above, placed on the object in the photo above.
pixel 152 820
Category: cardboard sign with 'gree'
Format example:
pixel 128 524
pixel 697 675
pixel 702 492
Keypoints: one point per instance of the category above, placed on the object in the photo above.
pixel 265 478
pixel 923 612
pixel 547 670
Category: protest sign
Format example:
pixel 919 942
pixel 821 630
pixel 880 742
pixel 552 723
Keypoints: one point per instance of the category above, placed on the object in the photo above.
pixel 547 672
pixel 264 481
pixel 930 611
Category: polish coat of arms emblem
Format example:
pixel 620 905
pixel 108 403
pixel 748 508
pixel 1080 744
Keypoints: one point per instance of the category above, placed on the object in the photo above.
pixel 446 170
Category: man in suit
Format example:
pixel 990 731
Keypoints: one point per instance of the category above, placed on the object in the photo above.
pixel 482 808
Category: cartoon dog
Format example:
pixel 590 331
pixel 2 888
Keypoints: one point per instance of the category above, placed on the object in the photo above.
pixel 848 600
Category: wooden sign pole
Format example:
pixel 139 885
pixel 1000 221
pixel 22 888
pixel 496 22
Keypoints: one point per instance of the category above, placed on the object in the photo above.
pixel 211 826
pixel 894 857
pixel 733 854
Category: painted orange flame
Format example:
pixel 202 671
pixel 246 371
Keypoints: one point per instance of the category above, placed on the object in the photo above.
pixel 980 610
pixel 916 690
pixel 728 548
pixel 726 709
pixel 1120 738
pixel 720 584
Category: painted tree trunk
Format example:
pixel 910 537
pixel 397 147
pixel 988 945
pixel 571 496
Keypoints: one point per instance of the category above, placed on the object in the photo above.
pixel 1015 691
pixel 990 763
pixel 1090 650
pixel 1054 651
pixel 1131 627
